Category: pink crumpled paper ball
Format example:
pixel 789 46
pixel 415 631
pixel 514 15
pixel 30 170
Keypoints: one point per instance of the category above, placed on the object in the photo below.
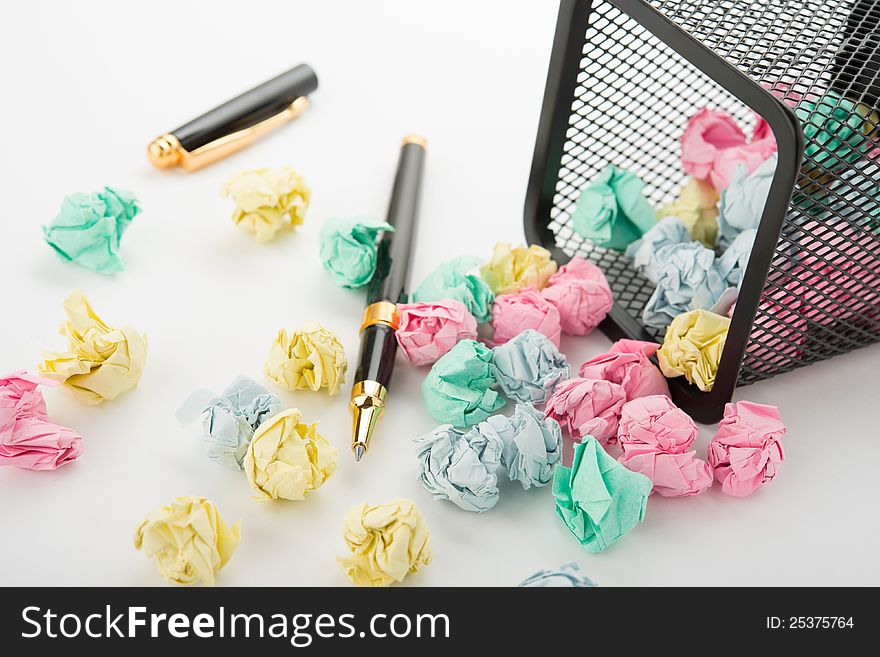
pixel 28 438
pixel 779 329
pixel 747 449
pixel 712 146
pixel 587 407
pixel 655 436
pixel 581 294
pixel 527 309
pixel 628 363
pixel 428 329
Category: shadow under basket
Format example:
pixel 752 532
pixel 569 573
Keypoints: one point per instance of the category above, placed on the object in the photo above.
pixel 624 78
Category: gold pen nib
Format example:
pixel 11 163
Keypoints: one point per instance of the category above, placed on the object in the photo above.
pixel 367 406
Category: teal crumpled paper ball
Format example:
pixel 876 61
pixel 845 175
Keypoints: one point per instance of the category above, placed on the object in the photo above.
pixel 598 499
pixel 612 211
pixel 89 227
pixel 348 249
pixel 458 389
pixel 833 127
pixel 451 280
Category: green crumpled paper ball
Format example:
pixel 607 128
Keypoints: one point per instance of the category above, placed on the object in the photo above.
pixel 598 499
pixel 89 227
pixel 451 280
pixel 458 389
pixel 833 127
pixel 612 211
pixel 348 249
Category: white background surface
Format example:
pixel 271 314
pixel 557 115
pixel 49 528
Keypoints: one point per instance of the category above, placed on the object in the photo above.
pixel 87 85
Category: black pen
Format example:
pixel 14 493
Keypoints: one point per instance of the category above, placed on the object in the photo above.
pixel 236 123
pixel 386 290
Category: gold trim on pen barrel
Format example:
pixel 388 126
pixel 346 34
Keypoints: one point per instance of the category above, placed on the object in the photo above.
pixel 367 406
pixel 166 151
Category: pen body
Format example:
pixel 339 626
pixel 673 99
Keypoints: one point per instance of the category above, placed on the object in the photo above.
pixel 376 360
pixel 389 283
pixel 248 109
pixel 387 289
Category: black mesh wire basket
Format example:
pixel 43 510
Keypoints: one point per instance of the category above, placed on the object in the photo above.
pixel 625 76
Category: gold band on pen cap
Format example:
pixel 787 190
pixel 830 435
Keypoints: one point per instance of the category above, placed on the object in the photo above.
pixel 413 138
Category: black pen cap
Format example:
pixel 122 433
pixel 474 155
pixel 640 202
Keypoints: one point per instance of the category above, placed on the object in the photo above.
pixel 236 122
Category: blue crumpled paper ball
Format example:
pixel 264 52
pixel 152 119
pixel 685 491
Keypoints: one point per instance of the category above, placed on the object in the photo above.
pixel 460 467
pixel 230 419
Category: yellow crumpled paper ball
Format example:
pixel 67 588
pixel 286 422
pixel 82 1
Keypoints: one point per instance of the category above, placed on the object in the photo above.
pixel 287 458
pixel 386 542
pixel 512 269
pixel 309 358
pixel 697 207
pixel 101 362
pixel 693 346
pixel 188 539
pixel 268 200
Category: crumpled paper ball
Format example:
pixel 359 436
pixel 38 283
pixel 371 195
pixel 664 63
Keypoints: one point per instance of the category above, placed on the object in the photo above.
pixel 229 419
pixel 655 436
pixel 747 449
pixel 690 279
pixel 612 210
pixel 527 309
pixel 28 438
pixel 268 200
pixel 647 252
pixel 712 146
pixel 101 362
pixel 693 346
pixel 510 270
pixel 834 131
pixel 528 367
pixel 188 539
pixel 581 294
pixel 458 389
pixel 834 276
pixel 697 207
pixel 453 280
pixel 733 262
pixel 532 444
pixel 349 249
pixel 460 467
pixel 386 541
pixel 310 358
pixel 742 202
pixel 587 407
pixel 287 458
pixel 89 227
pixel 628 363
pixel 429 329
pixel 598 499
pixel 565 577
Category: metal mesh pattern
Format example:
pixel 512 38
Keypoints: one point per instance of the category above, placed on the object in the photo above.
pixel 633 100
